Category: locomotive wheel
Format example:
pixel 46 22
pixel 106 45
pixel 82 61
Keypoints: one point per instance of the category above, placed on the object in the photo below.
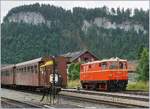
pixel 110 86
pixel 84 86
pixel 124 85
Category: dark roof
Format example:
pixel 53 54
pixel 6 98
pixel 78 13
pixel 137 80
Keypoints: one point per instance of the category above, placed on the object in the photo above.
pixel 75 55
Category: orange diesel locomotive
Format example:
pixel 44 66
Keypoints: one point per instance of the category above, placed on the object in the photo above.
pixel 109 74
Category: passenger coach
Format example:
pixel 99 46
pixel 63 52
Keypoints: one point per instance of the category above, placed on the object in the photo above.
pixel 35 73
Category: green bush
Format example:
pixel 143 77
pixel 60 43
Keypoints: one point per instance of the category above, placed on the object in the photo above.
pixel 74 71
pixel 143 67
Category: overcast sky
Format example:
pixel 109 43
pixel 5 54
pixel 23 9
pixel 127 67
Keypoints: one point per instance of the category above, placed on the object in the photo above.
pixel 7 5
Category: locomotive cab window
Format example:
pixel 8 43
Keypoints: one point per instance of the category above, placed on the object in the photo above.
pixel 113 65
pixel 104 65
pixel 122 65
pixel 28 68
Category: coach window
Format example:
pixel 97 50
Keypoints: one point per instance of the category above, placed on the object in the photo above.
pixel 104 65
pixel 35 67
pixel 2 73
pixel 28 68
pixel 19 69
pixel 24 69
pixel 6 73
pixel 32 69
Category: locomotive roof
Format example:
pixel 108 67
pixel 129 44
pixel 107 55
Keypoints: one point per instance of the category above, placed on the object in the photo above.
pixel 30 62
pixel 106 60
pixel 8 67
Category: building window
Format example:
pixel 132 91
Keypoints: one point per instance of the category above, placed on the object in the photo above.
pixel 86 59
pixel 79 59
pixel 89 66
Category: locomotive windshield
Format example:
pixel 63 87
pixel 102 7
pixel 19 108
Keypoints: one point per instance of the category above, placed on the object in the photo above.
pixel 122 65
pixel 113 65
pixel 116 65
pixel 104 65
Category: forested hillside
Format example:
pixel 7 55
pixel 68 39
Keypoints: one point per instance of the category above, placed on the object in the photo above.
pixel 32 31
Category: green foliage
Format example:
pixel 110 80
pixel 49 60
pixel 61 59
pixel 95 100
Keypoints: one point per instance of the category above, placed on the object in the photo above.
pixel 140 51
pixel 74 71
pixel 21 41
pixel 143 67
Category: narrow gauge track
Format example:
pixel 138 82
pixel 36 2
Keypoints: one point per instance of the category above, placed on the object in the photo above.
pixel 108 98
pixel 132 92
pixel 11 103
pixel 136 92
pixel 117 99
pixel 123 94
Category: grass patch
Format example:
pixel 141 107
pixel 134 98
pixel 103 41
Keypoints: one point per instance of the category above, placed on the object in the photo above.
pixel 73 83
pixel 140 85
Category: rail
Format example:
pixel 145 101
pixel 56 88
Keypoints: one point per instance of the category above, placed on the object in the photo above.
pixel 125 100
pixel 17 104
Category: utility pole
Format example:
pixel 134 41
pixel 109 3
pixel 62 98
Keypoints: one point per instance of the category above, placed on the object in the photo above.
pixel 53 84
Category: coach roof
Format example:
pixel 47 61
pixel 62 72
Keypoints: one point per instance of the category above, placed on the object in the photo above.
pixel 8 67
pixel 30 62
